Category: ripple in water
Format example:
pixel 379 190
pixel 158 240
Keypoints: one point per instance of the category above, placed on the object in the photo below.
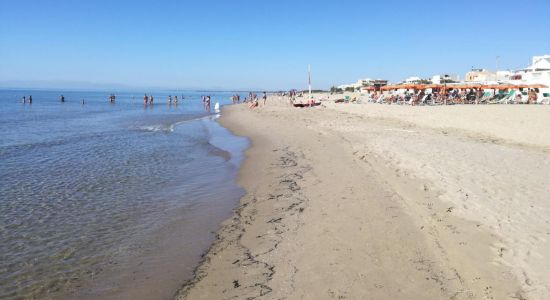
pixel 92 191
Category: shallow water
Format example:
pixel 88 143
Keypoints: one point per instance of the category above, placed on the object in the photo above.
pixel 89 190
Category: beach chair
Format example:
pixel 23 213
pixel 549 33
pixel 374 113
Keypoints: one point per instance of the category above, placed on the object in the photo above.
pixel 543 98
pixel 486 97
pixel 523 98
pixel 507 98
pixel 411 100
pixel 424 99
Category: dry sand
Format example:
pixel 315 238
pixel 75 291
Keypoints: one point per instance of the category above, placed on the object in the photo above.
pixel 349 201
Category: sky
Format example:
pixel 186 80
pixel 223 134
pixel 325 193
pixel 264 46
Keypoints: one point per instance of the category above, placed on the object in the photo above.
pixel 258 44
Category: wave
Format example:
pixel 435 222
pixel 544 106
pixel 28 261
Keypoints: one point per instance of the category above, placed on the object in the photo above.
pixel 169 127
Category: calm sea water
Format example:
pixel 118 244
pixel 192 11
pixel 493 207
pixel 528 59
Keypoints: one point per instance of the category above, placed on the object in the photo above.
pixel 89 188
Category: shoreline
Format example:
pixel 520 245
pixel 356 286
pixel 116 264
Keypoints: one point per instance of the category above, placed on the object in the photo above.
pixel 385 238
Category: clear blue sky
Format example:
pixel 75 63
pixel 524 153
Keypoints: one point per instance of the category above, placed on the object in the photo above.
pixel 262 44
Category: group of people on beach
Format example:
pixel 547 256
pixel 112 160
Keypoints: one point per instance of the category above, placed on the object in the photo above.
pixel 236 98
pixel 457 96
pixel 252 100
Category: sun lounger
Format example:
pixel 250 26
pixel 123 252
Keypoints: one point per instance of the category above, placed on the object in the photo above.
pixel 487 96
pixel 358 100
pixel 543 98
pixel 507 99
pixel 424 99
pixel 522 98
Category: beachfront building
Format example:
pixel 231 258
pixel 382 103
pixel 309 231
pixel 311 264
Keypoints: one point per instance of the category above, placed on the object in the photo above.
pixel 373 85
pixel 416 80
pixel 364 83
pixel 344 87
pixel 484 75
pixel 413 79
pixel 480 75
pixel 537 73
pixel 445 78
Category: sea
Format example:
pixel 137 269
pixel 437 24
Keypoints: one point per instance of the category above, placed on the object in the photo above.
pixel 110 200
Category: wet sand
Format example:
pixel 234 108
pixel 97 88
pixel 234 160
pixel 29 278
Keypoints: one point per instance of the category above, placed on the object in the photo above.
pixel 384 202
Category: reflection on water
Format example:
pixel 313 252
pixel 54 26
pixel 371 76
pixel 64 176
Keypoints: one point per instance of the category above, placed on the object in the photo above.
pixel 84 187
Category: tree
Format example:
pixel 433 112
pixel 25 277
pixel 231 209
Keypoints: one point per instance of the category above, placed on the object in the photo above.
pixel 335 90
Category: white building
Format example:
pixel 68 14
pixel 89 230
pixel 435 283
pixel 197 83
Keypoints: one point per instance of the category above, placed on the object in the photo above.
pixel 537 73
pixel 438 79
pixel 413 79
pixel 360 83
pixel 480 75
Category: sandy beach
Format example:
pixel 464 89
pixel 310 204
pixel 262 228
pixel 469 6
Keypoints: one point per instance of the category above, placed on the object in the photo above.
pixel 368 201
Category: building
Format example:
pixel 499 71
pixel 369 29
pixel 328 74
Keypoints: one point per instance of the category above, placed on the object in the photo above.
pixel 413 79
pixel 445 78
pixel 537 73
pixel 480 75
pixel 483 75
pixel 367 82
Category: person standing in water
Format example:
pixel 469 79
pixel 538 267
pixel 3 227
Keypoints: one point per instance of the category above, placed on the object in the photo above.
pixel 30 99
pixel 145 99
pixel 151 99
pixel 62 98
pixel 208 103
pixel 176 99
pixel 24 99
pixel 170 99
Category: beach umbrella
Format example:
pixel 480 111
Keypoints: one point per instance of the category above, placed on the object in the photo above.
pixel 503 86
pixel 538 86
pixel 411 86
pixel 388 87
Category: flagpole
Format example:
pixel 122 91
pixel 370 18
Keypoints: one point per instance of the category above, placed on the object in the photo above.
pixel 309 80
